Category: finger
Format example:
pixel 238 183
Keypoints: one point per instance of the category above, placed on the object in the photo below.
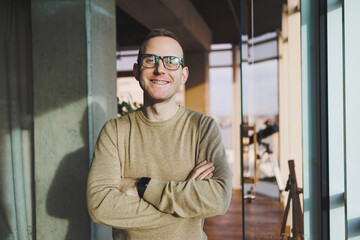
pixel 205 173
pixel 209 176
pixel 196 172
pixel 200 164
pixel 203 168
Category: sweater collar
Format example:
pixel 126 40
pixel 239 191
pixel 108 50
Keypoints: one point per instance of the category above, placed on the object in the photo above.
pixel 167 122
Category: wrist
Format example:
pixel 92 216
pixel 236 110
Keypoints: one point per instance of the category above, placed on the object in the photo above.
pixel 141 185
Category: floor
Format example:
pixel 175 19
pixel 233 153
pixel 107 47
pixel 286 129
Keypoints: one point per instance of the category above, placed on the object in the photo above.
pixel 263 218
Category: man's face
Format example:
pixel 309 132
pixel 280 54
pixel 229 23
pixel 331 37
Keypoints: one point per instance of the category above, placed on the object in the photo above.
pixel 161 84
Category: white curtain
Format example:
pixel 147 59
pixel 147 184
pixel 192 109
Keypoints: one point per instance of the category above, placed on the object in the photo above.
pixel 15 121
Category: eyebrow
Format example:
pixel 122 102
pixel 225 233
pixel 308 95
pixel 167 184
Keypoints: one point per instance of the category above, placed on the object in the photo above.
pixel 161 56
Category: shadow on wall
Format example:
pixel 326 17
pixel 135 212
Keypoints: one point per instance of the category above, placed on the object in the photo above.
pixel 5 231
pixel 66 198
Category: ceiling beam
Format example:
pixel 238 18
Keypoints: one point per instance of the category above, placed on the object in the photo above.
pixel 178 16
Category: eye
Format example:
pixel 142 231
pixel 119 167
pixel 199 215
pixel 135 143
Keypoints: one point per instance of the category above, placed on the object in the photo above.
pixel 173 60
pixel 150 59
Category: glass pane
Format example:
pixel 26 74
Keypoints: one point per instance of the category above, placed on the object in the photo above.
pixel 261 93
pixel 336 120
pixel 271 120
pixel 221 46
pixel 221 58
pixel 221 80
pixel 352 115
pixel 263 50
pixel 125 63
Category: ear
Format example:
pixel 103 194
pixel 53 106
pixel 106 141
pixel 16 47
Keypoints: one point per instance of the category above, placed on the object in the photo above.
pixel 184 75
pixel 136 71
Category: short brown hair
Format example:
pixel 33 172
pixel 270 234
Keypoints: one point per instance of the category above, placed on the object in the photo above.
pixel 160 32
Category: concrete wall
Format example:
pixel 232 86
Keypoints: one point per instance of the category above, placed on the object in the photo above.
pixel 73 54
pixel 15 121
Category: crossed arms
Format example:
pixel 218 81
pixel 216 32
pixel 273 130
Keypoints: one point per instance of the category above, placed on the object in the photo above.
pixel 113 200
pixel 203 170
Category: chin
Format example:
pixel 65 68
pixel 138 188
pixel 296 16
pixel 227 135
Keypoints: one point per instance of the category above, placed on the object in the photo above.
pixel 158 99
pixel 155 98
pixel 159 96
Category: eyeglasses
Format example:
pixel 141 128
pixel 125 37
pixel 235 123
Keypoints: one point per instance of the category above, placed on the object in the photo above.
pixel 151 61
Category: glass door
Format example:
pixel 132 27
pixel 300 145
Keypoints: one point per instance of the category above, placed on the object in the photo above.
pixel 271 119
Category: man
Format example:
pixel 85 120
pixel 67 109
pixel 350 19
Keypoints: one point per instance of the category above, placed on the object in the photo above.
pixel 158 172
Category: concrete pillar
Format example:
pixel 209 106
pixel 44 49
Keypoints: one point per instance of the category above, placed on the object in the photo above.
pixel 101 32
pixel 73 51
pixel 197 86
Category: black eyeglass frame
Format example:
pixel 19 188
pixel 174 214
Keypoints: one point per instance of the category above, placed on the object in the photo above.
pixel 162 58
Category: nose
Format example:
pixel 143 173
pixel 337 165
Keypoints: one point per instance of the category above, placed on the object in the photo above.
pixel 160 68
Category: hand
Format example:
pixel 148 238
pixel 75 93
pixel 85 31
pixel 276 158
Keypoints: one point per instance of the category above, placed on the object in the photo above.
pixel 203 170
pixel 128 186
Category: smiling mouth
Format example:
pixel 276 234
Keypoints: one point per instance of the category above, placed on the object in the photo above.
pixel 159 82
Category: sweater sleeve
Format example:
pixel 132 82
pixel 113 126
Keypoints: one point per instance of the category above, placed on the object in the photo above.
pixel 197 199
pixel 106 204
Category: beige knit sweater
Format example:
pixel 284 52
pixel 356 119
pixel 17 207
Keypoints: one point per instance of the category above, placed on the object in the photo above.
pixel 171 208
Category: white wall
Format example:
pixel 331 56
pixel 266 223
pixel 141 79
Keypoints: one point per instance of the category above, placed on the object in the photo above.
pixel 290 128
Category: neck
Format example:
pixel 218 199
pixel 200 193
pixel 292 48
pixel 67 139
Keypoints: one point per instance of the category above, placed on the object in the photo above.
pixel 158 112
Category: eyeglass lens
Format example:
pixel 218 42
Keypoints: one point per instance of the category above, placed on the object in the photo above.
pixel 169 62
